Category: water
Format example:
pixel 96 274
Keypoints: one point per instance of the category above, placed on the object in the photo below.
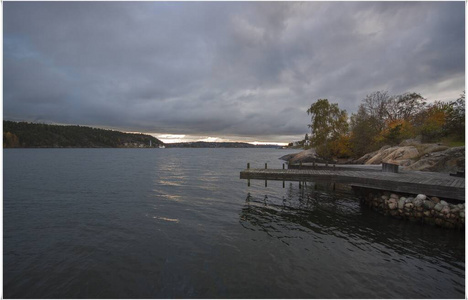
pixel 179 223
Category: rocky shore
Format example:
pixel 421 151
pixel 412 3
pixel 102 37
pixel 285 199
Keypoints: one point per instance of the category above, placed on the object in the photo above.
pixel 420 208
pixel 410 155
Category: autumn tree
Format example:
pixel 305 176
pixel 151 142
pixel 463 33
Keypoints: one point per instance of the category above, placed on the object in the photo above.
pixel 364 131
pixel 430 122
pixel 10 140
pixel 368 122
pixel 328 124
pixel 455 122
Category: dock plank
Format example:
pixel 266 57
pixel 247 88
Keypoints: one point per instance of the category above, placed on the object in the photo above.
pixel 439 185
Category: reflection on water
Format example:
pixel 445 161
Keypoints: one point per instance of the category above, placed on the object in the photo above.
pixel 336 219
pixel 144 223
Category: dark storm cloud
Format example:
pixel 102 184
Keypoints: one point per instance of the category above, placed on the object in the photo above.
pixel 223 68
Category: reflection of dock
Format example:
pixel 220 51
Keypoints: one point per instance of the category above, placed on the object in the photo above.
pixel 428 183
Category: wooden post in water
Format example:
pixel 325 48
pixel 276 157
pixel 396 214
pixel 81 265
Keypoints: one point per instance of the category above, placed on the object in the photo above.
pixel 248 165
pixel 266 183
pixel 266 167
pixel 300 185
pixel 333 167
pixel 283 184
pixel 283 166
pixel 248 182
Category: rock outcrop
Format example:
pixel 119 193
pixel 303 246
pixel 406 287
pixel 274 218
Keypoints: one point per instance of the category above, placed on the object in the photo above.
pixel 449 160
pixel 305 156
pixel 412 155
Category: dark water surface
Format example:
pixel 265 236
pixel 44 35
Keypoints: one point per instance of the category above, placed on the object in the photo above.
pixel 165 223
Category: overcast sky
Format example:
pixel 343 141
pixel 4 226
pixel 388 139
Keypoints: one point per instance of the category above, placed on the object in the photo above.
pixel 228 70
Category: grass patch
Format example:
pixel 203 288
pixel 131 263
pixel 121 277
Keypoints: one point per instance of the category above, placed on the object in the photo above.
pixel 456 143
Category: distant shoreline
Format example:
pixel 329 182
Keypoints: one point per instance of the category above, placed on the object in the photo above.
pixel 27 135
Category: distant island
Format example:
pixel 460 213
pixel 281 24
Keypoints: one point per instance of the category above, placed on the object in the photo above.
pixel 38 135
pixel 218 145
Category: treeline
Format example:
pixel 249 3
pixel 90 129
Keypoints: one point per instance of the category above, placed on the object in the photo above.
pixel 383 119
pixel 33 135
pixel 217 145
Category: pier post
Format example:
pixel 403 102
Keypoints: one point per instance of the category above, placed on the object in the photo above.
pixel 266 183
pixel 283 184
pixel 248 165
pixel 333 167
pixel 283 166
pixel 248 182
pixel 266 166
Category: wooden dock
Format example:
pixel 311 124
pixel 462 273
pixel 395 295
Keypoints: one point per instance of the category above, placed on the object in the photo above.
pixel 411 182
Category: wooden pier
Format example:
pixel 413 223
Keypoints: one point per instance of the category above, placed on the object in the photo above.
pixel 411 182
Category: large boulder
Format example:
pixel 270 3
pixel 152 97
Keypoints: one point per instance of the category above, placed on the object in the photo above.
pixel 288 156
pixel 305 156
pixel 450 160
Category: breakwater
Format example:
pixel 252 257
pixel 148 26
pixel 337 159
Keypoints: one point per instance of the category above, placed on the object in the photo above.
pixel 416 208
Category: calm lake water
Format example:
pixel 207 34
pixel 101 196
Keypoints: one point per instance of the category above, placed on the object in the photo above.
pixel 179 223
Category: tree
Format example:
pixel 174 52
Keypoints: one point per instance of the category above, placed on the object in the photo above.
pixel 10 140
pixel 430 122
pixel 455 122
pixel 405 106
pixel 374 107
pixel 364 132
pixel 328 124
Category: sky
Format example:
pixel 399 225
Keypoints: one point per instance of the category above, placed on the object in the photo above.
pixel 222 71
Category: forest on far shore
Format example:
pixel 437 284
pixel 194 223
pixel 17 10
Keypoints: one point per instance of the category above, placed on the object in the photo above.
pixel 34 135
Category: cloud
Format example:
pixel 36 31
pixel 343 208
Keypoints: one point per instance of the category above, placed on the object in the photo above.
pixel 222 69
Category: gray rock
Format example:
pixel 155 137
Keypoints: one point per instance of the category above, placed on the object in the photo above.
pixel 461 206
pixel 409 200
pixel 435 200
pixel 462 214
pixel 288 156
pixel 443 203
pixel 420 197
pixel 418 202
pixel 450 160
pixel 427 204
pixel 305 156
pixel 438 207
pixel 401 202
pixel 392 203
